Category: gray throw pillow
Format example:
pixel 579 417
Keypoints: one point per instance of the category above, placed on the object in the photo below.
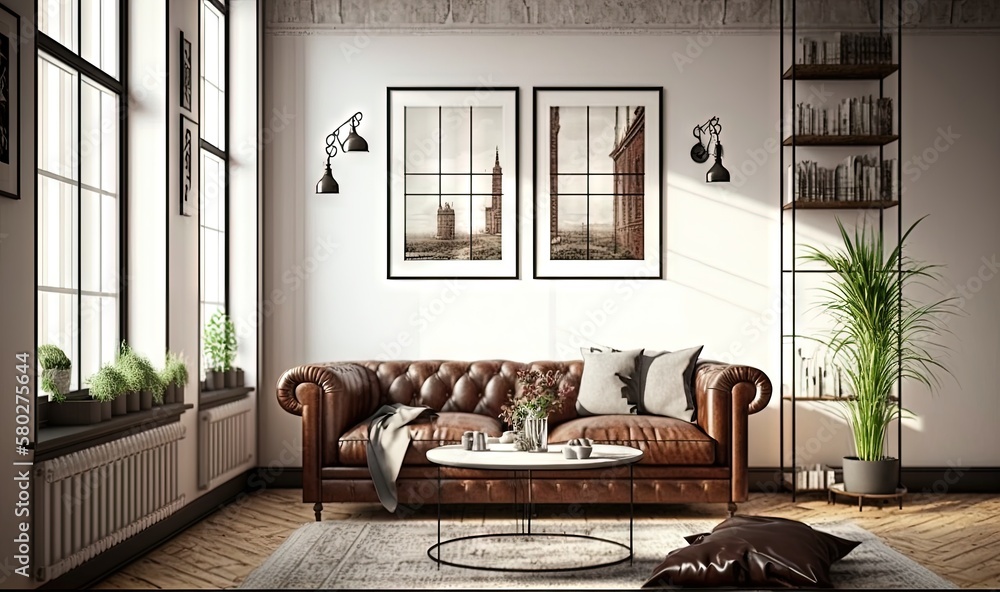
pixel 666 379
pixel 609 384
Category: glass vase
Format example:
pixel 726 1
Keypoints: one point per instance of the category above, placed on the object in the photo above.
pixel 536 434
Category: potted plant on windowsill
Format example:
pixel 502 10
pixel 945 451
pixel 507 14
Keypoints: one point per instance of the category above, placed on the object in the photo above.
pixel 143 381
pixel 175 376
pixel 109 386
pixel 56 372
pixel 879 334
pixel 220 349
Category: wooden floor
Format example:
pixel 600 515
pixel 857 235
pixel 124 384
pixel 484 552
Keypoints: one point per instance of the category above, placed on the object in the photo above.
pixel 957 536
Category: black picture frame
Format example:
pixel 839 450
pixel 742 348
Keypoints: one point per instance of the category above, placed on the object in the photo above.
pixel 10 104
pixel 651 265
pixel 189 182
pixel 186 72
pixel 400 264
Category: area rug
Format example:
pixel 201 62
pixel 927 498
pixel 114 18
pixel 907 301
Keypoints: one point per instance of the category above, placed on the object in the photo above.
pixel 354 554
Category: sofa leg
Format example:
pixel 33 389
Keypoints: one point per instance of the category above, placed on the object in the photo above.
pixel 731 506
pixel 318 509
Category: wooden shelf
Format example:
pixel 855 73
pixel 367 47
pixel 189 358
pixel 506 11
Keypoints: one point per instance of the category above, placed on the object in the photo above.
pixel 842 205
pixel 824 398
pixel 840 71
pixel 838 140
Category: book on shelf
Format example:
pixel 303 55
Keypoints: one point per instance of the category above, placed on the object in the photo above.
pixel 816 477
pixel 857 178
pixel 845 48
pixel 864 116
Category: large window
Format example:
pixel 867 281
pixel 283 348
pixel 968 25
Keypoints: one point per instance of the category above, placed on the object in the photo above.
pixel 80 127
pixel 214 161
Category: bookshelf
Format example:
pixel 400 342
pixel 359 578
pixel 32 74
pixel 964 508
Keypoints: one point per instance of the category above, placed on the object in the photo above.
pixel 868 181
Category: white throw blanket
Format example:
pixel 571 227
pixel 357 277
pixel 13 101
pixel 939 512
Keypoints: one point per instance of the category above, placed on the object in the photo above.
pixel 388 439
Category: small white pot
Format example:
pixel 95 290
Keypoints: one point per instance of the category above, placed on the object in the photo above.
pixel 62 378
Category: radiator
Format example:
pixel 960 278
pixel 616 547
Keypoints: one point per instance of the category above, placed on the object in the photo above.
pixel 91 500
pixel 225 443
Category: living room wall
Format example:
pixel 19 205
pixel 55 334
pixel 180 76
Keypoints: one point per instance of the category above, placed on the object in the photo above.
pixel 327 296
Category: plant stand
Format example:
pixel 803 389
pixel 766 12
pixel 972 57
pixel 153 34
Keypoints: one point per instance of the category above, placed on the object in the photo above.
pixel 882 498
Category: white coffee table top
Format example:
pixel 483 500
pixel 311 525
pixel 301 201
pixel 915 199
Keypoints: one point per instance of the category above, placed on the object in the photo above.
pixel 504 457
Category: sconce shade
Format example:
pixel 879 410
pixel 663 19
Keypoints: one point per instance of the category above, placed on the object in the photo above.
pixel 328 184
pixel 718 173
pixel 355 143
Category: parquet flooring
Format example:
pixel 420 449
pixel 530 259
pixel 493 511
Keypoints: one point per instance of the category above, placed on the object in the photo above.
pixel 956 536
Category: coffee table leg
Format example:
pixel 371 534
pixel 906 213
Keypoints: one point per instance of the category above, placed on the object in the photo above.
pixel 439 516
pixel 531 503
pixel 631 514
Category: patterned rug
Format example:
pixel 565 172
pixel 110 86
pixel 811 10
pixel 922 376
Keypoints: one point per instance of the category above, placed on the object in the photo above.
pixel 354 554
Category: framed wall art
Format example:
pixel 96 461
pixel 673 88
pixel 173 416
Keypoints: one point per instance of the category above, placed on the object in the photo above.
pixel 189 166
pixel 10 109
pixel 452 183
pixel 598 170
pixel 186 73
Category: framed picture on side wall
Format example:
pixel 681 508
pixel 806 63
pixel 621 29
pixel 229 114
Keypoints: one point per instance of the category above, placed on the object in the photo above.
pixel 189 158
pixel 598 170
pixel 186 73
pixel 10 110
pixel 453 190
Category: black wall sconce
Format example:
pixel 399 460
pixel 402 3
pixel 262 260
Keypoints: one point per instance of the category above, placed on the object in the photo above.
pixel 700 151
pixel 353 143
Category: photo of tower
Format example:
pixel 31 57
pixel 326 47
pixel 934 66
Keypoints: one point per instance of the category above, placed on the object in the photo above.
pixel 453 183
pixel 596 182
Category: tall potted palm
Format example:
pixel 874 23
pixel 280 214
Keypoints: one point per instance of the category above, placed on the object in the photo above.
pixel 879 334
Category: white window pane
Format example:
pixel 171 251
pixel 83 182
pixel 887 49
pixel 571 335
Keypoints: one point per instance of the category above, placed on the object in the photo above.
pixel 109 245
pixel 57 314
pixel 90 243
pixel 213 41
pixel 213 191
pixel 210 123
pixel 90 135
pixel 57 121
pixel 57 234
pixel 109 142
pixel 91 313
pixel 58 19
pixel 212 271
pixel 201 264
pixel 90 29
pixel 109 37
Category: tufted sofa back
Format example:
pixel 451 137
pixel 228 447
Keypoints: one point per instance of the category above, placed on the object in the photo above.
pixel 471 387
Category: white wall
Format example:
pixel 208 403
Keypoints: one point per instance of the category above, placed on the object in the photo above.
pixel 327 297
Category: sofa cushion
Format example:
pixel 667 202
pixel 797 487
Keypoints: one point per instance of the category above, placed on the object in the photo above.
pixel 446 428
pixel 664 440
pixel 666 379
pixel 609 384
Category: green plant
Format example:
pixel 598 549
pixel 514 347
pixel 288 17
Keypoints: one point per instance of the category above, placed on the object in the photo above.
pixel 174 371
pixel 220 342
pixel 107 384
pixel 540 394
pixel 879 333
pixel 50 357
pixel 139 373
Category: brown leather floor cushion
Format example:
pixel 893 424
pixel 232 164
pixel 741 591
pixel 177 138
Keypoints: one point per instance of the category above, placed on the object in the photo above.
pixel 753 551
pixel 446 428
pixel 664 440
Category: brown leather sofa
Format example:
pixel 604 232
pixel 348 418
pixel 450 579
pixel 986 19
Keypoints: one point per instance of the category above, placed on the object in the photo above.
pixel 700 461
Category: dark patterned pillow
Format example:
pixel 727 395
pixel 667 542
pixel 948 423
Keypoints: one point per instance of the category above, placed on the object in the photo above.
pixel 753 551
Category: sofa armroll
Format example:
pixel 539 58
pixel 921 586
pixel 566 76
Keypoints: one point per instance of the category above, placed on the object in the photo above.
pixel 725 396
pixel 331 399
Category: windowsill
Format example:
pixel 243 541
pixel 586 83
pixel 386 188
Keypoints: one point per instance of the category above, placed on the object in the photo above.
pixel 209 399
pixel 55 441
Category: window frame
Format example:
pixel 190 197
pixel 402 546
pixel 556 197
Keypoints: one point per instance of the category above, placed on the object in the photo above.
pixel 223 155
pixel 45 44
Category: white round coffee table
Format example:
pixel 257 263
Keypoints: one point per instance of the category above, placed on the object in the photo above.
pixel 503 457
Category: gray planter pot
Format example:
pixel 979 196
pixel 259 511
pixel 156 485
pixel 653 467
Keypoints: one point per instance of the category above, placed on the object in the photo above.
pixel 106 413
pixel 230 378
pixel 61 378
pixel 179 393
pixel 863 476
pixel 216 380
pixel 132 403
pixel 240 377
pixel 170 395
pixel 145 400
pixel 119 406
